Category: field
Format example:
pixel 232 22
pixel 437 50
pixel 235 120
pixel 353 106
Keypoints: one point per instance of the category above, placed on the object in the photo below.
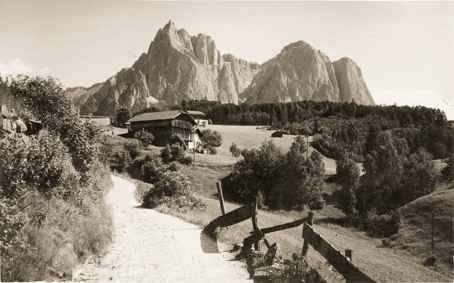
pixel 249 137
pixel 398 264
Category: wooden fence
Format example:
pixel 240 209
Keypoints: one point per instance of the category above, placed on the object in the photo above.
pixel 342 263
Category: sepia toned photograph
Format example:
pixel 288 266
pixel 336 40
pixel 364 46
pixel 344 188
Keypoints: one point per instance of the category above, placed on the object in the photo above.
pixel 226 141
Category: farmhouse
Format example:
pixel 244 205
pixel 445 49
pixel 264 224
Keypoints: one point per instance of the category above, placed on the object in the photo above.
pixel 199 117
pixel 164 124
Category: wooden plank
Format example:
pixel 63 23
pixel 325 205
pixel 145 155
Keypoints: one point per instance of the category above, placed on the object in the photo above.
pixel 221 197
pixel 334 257
pixel 306 244
pixel 233 217
pixel 281 227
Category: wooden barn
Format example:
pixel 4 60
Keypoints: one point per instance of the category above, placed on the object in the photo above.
pixel 164 124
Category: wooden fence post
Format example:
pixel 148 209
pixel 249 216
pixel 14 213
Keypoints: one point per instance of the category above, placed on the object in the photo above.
pixel 221 197
pixel 254 220
pixel 349 254
pixel 306 243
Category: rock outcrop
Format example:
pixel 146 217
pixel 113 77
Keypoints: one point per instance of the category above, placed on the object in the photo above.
pixel 300 72
pixel 177 66
pixel 351 82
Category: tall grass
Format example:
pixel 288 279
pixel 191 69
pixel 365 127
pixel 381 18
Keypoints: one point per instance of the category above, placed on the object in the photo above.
pixel 58 234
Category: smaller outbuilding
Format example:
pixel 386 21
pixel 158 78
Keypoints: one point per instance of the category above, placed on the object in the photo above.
pixel 199 117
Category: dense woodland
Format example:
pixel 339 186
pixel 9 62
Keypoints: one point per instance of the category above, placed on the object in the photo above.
pixel 339 128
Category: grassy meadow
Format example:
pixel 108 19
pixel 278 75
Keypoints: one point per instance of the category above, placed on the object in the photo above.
pixel 401 263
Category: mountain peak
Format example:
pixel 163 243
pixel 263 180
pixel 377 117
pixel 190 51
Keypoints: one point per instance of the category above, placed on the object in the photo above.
pixel 179 66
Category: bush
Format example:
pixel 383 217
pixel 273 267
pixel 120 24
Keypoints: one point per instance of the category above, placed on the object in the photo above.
pixel 51 189
pixel 133 147
pixel 277 134
pixel 211 138
pixel 384 225
pixel 430 261
pixel 296 270
pixel 172 189
pixel 144 137
pixel 173 152
pixel 123 115
pixel 152 170
pixel 122 160
pixel 174 166
pixel 186 160
pixel 234 150
pixel 212 150
pixel 178 140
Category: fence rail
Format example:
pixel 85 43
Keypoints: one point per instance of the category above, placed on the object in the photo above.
pixel 334 257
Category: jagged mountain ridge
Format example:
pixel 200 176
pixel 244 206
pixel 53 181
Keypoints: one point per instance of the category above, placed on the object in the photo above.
pixel 300 72
pixel 178 66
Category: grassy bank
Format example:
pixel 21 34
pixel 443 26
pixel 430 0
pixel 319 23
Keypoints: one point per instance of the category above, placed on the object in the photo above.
pixel 57 235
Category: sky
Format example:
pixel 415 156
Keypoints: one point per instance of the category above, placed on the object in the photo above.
pixel 404 49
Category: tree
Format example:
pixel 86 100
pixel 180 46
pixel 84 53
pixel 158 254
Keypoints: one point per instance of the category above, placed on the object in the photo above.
pixel 45 99
pixel 384 170
pixel 448 171
pixel 236 152
pixel 123 115
pixel 211 138
pixel 348 178
pixel 420 176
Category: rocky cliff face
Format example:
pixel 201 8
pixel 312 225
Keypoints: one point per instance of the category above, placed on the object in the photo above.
pixel 351 83
pixel 300 72
pixel 177 66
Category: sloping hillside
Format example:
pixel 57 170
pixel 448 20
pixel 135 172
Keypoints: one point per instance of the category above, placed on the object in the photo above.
pixel 415 237
pixel 250 137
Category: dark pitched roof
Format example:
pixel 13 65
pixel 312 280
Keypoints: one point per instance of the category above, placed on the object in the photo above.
pixel 155 116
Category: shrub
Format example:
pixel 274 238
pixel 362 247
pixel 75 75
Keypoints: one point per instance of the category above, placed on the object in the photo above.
pixel 172 188
pixel 212 138
pixel 122 159
pixel 186 160
pixel 430 261
pixel 133 147
pixel 144 137
pixel 174 166
pixel 173 152
pixel 234 150
pixel 212 150
pixel 277 134
pixel 51 189
pixel 178 140
pixel 152 170
pixel 384 225
pixel 296 270
pixel 123 115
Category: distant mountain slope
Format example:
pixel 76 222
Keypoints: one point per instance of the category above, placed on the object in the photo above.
pixel 178 66
pixel 351 82
pixel 300 72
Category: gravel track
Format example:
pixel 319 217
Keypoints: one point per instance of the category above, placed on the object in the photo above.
pixel 154 247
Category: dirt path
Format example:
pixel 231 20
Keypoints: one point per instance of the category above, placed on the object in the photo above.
pixel 154 247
